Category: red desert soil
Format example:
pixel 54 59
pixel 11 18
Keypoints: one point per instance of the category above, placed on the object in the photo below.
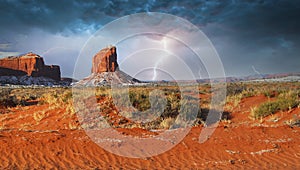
pixel 241 143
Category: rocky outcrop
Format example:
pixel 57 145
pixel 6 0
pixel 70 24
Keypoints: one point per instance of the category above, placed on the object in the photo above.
pixel 105 70
pixel 29 64
pixel 105 60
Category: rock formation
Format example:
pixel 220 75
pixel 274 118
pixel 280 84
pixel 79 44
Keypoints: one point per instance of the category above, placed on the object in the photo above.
pixel 29 64
pixel 105 60
pixel 105 70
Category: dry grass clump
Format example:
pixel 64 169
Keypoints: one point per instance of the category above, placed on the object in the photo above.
pixel 237 91
pixel 167 123
pixel 140 99
pixel 8 99
pixel 59 99
pixel 25 96
pixel 294 122
pixel 102 91
pixel 38 116
pixel 284 102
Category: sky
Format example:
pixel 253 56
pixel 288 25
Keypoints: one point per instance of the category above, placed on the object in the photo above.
pixel 250 36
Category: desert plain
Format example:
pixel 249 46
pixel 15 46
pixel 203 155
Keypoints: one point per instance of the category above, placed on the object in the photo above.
pixel 259 129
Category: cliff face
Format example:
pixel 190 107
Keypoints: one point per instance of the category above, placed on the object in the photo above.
pixel 105 60
pixel 105 67
pixel 30 64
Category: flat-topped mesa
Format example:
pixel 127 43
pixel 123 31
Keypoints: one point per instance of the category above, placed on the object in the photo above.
pixel 105 60
pixel 29 64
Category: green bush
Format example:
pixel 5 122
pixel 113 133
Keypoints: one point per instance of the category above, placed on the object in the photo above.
pixel 140 99
pixel 284 102
pixel 265 109
pixel 269 94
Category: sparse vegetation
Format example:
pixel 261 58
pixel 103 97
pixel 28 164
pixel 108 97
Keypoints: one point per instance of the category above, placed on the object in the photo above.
pixel 295 121
pixel 148 107
pixel 284 102
pixel 152 107
pixel 57 97
pixel 38 116
pixel 7 99
pixel 51 120
pixel 60 99
pixel 167 123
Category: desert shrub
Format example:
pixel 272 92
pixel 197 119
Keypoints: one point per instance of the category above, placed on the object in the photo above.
pixel 172 106
pixel 38 116
pixel 236 93
pixel 66 97
pixel 265 109
pixel 287 101
pixel 269 93
pixel 235 89
pixel 140 99
pixel 249 92
pixel 9 100
pixel 234 99
pixel 56 98
pixel 294 122
pixel 157 107
pixel 59 99
pixel 103 92
pixel 284 102
pixel 188 114
pixel 144 99
pixel 167 123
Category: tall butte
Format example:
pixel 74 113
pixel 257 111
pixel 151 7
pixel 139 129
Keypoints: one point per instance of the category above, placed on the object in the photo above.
pixel 105 60
pixel 105 70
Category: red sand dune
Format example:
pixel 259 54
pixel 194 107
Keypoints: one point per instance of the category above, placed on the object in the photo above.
pixel 241 143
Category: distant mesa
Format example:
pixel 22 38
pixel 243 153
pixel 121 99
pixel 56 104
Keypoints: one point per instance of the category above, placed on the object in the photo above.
pixel 105 70
pixel 29 64
pixel 29 69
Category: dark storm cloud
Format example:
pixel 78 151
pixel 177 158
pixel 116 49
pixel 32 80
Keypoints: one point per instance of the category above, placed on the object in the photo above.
pixel 264 34
pixel 260 33
pixel 78 15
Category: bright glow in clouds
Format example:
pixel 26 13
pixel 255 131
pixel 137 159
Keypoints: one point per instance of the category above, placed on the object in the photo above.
pixel 159 54
pixel 164 43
